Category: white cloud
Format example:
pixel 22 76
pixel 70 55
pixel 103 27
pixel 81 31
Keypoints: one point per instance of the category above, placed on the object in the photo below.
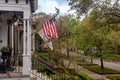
pixel 48 6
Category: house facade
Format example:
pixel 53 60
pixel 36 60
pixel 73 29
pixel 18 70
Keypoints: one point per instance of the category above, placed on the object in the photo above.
pixel 16 31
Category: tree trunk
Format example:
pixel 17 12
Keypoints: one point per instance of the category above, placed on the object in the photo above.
pixel 101 59
pixel 91 60
pixel 67 52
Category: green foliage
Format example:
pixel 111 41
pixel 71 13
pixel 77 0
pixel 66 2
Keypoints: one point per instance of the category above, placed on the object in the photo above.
pixel 86 64
pixel 71 70
pixel 115 57
pixel 6 48
pixel 80 5
pixel 55 77
pixel 114 77
pixel 36 65
pixel 98 70
pixel 61 77
pixel 83 76
pixel 77 78
pixel 60 69
pixel 44 55
pixel 104 7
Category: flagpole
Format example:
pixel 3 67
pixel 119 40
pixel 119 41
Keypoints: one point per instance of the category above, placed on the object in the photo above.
pixel 59 42
pixel 52 51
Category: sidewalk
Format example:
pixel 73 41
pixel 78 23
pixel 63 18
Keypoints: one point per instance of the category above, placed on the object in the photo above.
pixel 111 65
pixel 88 72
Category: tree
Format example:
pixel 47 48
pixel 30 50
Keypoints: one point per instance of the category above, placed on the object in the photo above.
pixel 94 32
pixel 66 25
pixel 106 7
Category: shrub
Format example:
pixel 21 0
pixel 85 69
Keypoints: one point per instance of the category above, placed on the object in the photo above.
pixel 55 77
pixel 6 49
pixel 66 77
pixel 114 77
pixel 61 77
pixel 77 78
pixel 83 76
pixel 44 55
pixel 71 70
pixel 86 64
pixel 59 69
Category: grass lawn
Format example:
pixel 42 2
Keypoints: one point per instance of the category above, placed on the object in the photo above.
pixel 97 69
pixel 114 77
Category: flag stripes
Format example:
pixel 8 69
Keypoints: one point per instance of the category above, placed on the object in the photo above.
pixel 49 29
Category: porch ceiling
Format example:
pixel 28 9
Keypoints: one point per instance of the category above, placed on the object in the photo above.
pixel 8 15
pixel 11 13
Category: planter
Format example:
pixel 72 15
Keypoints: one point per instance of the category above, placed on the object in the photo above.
pixel 7 53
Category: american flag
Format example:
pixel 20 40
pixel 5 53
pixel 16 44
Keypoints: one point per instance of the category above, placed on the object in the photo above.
pixel 49 29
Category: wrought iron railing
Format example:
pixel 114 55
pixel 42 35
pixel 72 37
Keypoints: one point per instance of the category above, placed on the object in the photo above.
pixel 40 68
pixel 46 70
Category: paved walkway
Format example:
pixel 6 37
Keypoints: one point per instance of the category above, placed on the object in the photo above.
pixel 111 65
pixel 88 72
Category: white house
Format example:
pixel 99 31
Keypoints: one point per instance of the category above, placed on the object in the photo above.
pixel 15 31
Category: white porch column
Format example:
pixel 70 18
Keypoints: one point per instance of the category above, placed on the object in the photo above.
pixel 33 41
pixel 29 41
pixel 28 38
pixel 26 44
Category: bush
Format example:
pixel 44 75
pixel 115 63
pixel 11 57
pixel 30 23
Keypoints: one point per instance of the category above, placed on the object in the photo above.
pixel 114 77
pixel 77 78
pixel 59 69
pixel 86 64
pixel 55 77
pixel 6 49
pixel 61 77
pixel 71 70
pixel 44 55
pixel 83 76
pixel 66 77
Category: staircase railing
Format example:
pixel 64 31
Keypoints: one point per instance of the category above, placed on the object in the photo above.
pixel 44 68
pixel 41 66
pixel 48 71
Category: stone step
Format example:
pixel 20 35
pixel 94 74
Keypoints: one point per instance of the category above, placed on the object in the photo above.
pixel 39 76
pixel 15 78
pixel 33 78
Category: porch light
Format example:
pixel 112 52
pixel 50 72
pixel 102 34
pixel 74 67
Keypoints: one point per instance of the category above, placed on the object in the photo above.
pixel 14 18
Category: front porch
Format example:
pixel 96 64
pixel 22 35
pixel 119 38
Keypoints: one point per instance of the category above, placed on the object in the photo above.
pixel 15 31
pixel 12 34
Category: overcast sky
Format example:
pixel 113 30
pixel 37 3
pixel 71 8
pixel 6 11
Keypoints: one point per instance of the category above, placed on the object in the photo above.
pixel 48 6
